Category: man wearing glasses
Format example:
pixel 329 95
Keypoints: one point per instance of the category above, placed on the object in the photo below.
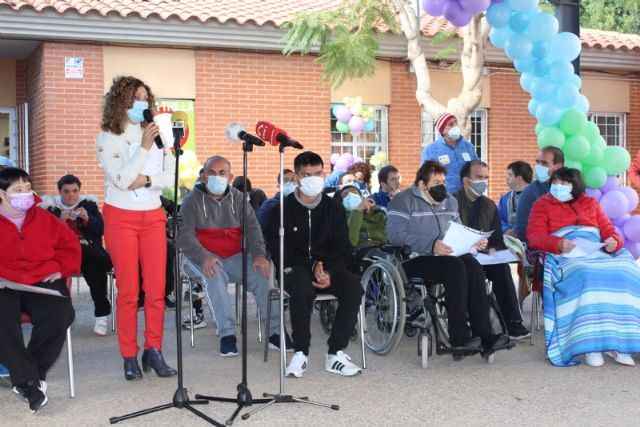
pixel 316 252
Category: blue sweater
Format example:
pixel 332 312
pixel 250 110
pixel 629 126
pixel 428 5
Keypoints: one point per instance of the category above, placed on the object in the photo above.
pixel 451 158
pixel 529 195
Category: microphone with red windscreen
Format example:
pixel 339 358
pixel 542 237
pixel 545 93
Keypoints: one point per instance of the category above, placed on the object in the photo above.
pixel 275 136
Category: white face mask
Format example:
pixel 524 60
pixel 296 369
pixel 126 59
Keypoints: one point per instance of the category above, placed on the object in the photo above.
pixel 454 132
pixel 311 186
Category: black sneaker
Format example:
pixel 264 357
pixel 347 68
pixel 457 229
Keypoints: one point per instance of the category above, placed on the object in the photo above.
pixel 33 393
pixel 169 303
pixel 228 346
pixel 493 343
pixel 274 342
pixel 517 331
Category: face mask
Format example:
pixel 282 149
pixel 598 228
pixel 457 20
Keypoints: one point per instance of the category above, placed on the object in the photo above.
pixel 542 173
pixel 561 192
pixel 135 112
pixel 289 187
pixel 311 186
pixel 22 202
pixel 454 132
pixel 351 202
pixel 217 185
pixel 438 192
pixel 479 187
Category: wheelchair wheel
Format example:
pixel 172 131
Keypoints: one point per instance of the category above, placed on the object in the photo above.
pixel 442 322
pixel 424 343
pixel 385 307
pixel 327 315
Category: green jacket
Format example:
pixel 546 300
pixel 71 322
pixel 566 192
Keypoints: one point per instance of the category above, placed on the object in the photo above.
pixel 367 228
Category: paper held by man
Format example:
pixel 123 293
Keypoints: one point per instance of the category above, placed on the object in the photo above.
pixel 26 288
pixel 462 239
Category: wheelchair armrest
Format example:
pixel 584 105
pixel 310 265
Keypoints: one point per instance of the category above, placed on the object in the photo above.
pixel 398 250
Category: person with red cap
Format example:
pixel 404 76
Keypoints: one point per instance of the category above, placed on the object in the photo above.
pixel 450 149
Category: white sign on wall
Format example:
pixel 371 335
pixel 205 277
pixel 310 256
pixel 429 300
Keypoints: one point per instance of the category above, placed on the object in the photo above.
pixel 73 68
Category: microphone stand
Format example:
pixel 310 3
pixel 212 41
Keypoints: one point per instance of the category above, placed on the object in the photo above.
pixel 180 397
pixel 244 398
pixel 281 397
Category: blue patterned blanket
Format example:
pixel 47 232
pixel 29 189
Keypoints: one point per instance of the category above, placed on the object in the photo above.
pixel 591 304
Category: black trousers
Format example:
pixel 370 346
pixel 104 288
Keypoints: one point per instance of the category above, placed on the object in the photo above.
pixel 465 292
pixel 95 274
pixel 505 291
pixel 50 317
pixel 344 285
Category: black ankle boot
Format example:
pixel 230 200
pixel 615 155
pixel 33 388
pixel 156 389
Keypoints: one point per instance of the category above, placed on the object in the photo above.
pixel 152 358
pixel 132 369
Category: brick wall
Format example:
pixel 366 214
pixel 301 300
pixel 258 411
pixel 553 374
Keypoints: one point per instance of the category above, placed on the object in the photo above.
pixel 633 121
pixel 21 87
pixel 35 96
pixel 249 87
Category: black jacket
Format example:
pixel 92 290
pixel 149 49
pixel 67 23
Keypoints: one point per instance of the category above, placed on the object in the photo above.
pixel 310 235
pixel 94 229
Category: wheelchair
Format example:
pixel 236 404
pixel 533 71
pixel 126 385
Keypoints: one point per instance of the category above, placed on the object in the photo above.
pixel 395 304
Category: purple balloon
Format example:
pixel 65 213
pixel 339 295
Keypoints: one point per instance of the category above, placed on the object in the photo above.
pixel 632 228
pixel 455 14
pixel 356 124
pixel 632 197
pixel 434 7
pixel 594 192
pixel 633 247
pixel 343 113
pixel 620 233
pixel 348 156
pixel 474 7
pixel 614 203
pixel 342 164
pixel 334 158
pixel 611 184
pixel 619 222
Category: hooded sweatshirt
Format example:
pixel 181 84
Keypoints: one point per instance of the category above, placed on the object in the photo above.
pixel 214 227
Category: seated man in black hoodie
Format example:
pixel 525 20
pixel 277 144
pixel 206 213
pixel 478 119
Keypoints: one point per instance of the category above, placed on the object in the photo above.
pixel 316 251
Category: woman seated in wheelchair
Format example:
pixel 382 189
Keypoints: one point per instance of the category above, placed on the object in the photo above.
pixel 419 217
pixel 591 302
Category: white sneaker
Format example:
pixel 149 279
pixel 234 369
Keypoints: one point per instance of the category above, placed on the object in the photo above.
pixel 621 358
pixel 594 359
pixel 102 326
pixel 340 363
pixel 297 365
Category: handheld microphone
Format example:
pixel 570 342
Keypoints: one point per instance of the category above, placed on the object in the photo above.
pixel 148 116
pixel 235 132
pixel 276 136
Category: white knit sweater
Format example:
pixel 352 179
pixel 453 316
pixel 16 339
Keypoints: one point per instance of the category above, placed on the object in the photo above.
pixel 122 158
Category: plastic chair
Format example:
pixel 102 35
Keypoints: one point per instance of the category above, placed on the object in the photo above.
pixel 25 318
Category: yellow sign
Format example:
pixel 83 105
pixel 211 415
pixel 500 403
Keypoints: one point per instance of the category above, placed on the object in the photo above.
pixel 181 110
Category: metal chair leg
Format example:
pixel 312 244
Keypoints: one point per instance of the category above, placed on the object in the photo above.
pixel 534 309
pixel 191 327
pixel 238 302
pixel 260 327
pixel 112 293
pixel 72 386
pixel 268 326
pixel 361 326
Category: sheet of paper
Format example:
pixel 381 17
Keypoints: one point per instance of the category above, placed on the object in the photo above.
pixel 583 247
pixel 461 239
pixel 26 288
pixel 504 256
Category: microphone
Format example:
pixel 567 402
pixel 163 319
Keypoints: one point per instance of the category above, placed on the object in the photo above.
pixel 148 116
pixel 275 135
pixel 235 132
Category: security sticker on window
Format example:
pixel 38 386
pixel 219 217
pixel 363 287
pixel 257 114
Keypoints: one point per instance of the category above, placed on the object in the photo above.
pixel 466 157
pixel 444 159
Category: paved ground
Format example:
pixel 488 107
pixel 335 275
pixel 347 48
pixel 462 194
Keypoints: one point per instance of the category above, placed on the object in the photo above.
pixel 519 389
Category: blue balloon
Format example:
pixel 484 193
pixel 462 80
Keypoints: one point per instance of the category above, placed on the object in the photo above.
pixel 523 5
pixel 533 106
pixel 519 22
pixel 540 68
pixel 561 71
pixel 518 46
pixel 583 104
pixel 542 26
pixel 523 65
pixel 335 109
pixel 540 50
pixel 500 36
pixel 576 81
pixel 498 15
pixel 564 46
pixel 543 90
pixel 526 80
pixel 548 113
pixel 567 95
pixel 369 125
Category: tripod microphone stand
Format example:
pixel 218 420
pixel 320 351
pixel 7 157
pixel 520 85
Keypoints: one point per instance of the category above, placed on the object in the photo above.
pixel 281 397
pixel 180 397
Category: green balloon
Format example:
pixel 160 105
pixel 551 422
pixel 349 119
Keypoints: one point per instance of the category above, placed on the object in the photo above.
pixel 539 128
pixel 599 142
pixel 342 126
pixel 596 154
pixel 616 160
pixel 574 164
pixel 595 177
pixel 576 147
pixel 551 137
pixel 572 122
pixel 591 132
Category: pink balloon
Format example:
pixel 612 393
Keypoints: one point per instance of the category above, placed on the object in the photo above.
pixel 633 247
pixel 619 222
pixel 632 197
pixel 434 7
pixel 632 228
pixel 474 7
pixel 611 184
pixel 614 203
pixel 334 158
pixel 455 14
pixel 594 192
pixel 343 113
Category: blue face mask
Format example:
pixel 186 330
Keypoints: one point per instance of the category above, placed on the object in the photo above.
pixel 561 192
pixel 289 187
pixel 135 112
pixel 351 202
pixel 217 184
pixel 542 173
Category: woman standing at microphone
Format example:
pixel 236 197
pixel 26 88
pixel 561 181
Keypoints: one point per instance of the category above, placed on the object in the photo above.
pixel 135 172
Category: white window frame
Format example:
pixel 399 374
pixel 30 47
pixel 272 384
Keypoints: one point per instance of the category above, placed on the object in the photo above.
pixel 478 135
pixel 621 137
pixel 365 145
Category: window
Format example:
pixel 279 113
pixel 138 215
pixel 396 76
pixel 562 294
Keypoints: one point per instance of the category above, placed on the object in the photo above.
pixel 613 127
pixel 366 144
pixel 478 131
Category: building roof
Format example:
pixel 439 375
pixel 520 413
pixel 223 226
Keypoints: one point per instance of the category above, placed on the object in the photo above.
pixel 262 12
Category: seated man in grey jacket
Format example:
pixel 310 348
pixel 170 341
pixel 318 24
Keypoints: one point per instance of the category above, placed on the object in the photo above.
pixel 211 239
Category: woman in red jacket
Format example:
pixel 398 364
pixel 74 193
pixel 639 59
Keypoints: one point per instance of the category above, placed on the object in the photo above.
pixel 37 250
pixel 591 284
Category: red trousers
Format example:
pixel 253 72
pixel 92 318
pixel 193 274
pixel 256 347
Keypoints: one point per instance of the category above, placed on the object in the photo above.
pixel 133 239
